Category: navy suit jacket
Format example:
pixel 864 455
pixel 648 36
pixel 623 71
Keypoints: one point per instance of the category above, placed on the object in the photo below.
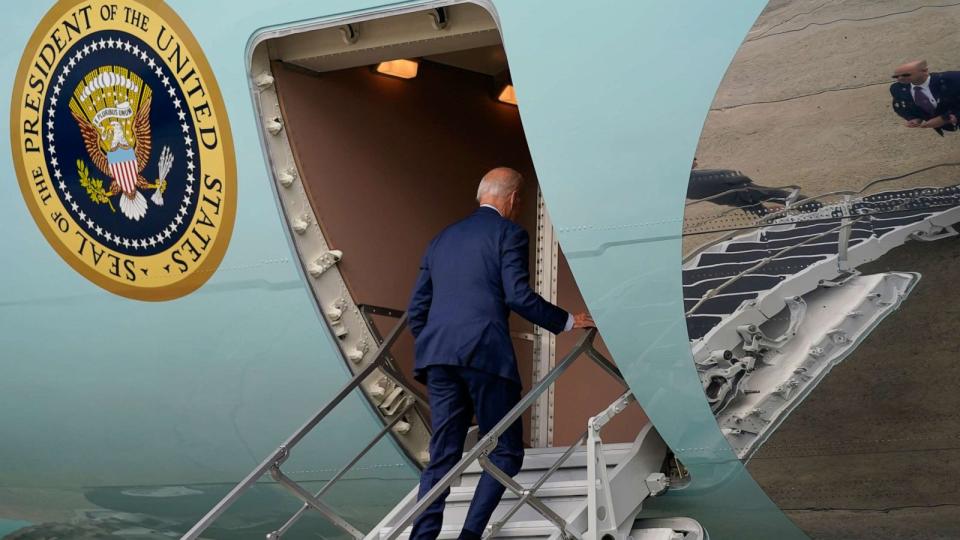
pixel 945 87
pixel 473 274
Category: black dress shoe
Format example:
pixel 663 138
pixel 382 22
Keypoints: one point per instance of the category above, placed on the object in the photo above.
pixel 468 535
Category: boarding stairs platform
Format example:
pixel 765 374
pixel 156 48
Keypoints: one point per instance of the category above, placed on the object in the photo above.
pixel 586 491
pixel 560 479
pixel 770 311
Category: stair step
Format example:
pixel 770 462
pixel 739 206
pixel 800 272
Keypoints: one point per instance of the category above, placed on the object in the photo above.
pixel 564 493
pixel 725 260
pixel 528 477
pixel 537 461
pixel 541 459
pixel 515 529
pixel 799 230
pixel 898 221
pixel 699 325
pixel 455 513
pixel 757 255
pixel 721 305
pixel 857 232
pixel 567 488
pixel 749 283
pixel 785 265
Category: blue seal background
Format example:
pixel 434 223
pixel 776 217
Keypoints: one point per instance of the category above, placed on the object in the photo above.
pixel 165 128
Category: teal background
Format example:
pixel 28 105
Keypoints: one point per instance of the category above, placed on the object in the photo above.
pixel 101 392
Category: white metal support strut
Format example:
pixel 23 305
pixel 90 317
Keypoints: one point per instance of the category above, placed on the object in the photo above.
pixel 601 519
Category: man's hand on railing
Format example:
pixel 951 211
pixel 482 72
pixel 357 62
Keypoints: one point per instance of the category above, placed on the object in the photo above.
pixel 583 320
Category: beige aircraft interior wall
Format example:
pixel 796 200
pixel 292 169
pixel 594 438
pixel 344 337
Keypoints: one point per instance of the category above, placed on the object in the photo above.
pixel 387 163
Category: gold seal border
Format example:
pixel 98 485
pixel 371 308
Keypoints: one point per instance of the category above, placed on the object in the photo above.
pixel 199 275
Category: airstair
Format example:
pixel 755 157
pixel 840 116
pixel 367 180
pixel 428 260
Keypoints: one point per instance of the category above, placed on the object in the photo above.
pixel 586 491
pixel 560 479
pixel 771 311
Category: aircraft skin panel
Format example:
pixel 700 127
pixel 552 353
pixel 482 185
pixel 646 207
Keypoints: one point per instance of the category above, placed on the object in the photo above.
pixel 99 390
pixel 624 250
pixel 224 374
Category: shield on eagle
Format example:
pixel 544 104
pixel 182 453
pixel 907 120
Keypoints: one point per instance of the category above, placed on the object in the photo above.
pixel 123 168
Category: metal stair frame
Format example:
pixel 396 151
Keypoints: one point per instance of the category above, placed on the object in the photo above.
pixel 624 488
pixel 489 441
pixel 271 464
pixel 771 302
pixel 789 213
pixel 889 228
pixel 614 498
pixel 767 260
pixel 611 519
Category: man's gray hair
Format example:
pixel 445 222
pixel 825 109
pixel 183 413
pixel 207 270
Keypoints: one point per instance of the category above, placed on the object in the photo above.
pixel 499 183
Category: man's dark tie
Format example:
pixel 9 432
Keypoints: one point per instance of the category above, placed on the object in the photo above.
pixel 922 101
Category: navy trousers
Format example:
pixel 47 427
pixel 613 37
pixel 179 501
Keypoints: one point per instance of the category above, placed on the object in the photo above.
pixel 456 394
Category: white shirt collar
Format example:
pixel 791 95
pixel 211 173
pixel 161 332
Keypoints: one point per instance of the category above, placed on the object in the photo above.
pixel 491 206
pixel 925 85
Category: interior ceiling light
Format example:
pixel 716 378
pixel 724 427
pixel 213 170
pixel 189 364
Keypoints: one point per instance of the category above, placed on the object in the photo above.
pixel 402 68
pixel 508 95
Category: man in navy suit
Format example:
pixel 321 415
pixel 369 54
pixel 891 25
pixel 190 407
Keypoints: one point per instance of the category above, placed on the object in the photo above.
pixel 924 99
pixel 473 274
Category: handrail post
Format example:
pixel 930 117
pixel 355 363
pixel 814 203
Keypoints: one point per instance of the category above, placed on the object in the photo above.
pixel 275 535
pixel 843 243
pixel 315 503
pixel 601 520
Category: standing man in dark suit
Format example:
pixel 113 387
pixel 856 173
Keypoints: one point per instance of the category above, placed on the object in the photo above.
pixel 473 274
pixel 924 99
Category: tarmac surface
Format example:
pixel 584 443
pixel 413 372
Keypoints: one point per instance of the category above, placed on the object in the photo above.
pixel 806 101
pixel 874 451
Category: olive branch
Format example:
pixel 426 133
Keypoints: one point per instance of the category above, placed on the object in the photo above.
pixel 93 186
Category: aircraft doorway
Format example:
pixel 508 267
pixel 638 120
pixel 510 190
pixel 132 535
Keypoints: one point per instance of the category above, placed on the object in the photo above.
pixel 370 166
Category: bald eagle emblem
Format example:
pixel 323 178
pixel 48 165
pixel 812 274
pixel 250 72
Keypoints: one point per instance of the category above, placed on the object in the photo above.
pixel 111 106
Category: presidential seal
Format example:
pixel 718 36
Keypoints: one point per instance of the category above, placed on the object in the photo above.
pixel 122 147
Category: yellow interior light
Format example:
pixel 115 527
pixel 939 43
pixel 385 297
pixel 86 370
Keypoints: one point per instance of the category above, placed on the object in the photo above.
pixel 405 69
pixel 508 95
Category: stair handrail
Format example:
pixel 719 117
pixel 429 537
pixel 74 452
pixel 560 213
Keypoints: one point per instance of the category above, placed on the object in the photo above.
pixel 272 462
pixel 734 190
pixel 794 204
pixel 764 221
pixel 881 180
pixel 847 192
pixel 488 442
